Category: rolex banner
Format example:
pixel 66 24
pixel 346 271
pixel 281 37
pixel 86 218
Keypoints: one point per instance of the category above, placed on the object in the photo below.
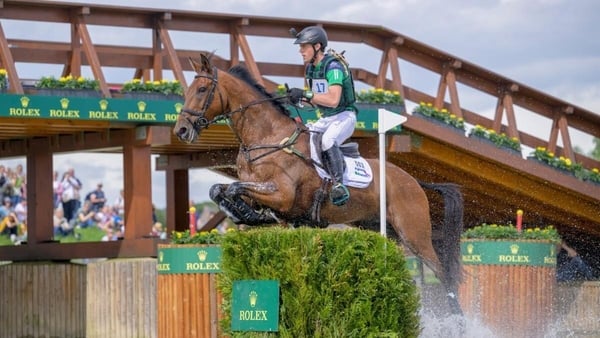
pixel 509 253
pixel 193 259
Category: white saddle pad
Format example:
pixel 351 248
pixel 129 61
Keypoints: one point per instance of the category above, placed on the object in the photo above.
pixel 357 174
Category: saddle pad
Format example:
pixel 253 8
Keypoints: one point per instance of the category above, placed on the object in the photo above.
pixel 357 173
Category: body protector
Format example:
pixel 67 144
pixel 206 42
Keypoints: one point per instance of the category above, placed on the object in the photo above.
pixel 317 81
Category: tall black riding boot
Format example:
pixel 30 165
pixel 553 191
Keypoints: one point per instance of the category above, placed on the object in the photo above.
pixel 334 163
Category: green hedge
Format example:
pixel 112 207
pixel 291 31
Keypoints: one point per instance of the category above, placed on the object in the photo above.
pixel 333 283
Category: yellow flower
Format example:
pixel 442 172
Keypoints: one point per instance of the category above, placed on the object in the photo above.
pixel 395 92
pixel 136 80
pixel 444 110
pixel 379 90
pixel 568 162
pixel 595 170
pixel 551 154
pixel 3 71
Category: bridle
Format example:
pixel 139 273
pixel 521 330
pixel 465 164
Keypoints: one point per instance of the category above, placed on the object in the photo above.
pixel 202 122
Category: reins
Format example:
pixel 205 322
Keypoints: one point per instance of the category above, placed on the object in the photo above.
pixel 287 144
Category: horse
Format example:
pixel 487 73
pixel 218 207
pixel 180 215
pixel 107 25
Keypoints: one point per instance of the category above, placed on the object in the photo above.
pixel 279 184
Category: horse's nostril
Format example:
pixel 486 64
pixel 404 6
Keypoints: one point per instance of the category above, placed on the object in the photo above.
pixel 182 131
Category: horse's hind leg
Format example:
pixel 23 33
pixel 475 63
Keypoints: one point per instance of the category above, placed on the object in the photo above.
pixel 417 236
pixel 236 208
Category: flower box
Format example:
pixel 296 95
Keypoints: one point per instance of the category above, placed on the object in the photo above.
pixel 487 141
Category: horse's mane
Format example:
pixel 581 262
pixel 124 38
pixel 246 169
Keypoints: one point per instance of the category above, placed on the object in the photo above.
pixel 243 74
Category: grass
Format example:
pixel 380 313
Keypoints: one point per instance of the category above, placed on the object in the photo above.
pixel 89 234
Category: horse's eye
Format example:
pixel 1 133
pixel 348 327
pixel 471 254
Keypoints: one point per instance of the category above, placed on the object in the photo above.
pixel 201 89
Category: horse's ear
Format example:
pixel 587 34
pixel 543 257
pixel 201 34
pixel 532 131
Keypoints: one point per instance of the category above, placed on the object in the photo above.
pixel 205 61
pixel 195 65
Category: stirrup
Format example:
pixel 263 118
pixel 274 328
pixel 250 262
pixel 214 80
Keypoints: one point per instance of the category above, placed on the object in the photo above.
pixel 339 194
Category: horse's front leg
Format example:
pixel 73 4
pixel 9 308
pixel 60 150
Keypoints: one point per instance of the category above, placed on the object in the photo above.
pixel 229 198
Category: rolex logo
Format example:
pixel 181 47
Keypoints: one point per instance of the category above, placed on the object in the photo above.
pixel 161 256
pixel 24 101
pixel 253 296
pixel 64 103
pixel 202 255
pixel 141 106
pixel 103 104
pixel 514 249
pixel 178 107
pixel 470 248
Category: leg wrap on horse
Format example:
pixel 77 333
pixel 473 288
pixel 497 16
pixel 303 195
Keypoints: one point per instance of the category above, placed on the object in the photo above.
pixel 334 163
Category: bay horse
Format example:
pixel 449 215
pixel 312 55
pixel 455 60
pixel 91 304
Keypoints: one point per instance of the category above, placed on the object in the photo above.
pixel 278 182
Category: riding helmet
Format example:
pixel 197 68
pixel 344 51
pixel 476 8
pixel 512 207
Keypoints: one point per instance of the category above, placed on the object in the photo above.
pixel 312 35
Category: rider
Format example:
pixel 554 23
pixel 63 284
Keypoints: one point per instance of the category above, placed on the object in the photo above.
pixel 332 92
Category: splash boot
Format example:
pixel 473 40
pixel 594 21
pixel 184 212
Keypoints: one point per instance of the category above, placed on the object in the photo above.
pixel 334 163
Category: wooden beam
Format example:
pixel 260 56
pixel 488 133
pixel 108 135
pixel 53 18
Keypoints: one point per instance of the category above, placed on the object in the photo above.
pixel 9 64
pixel 171 55
pixel 126 248
pixel 91 54
pixel 247 52
pixel 138 190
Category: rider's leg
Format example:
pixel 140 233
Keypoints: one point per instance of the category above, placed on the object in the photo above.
pixel 337 129
pixel 334 163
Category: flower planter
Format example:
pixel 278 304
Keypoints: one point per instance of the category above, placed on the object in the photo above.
pixel 566 172
pixel 151 96
pixel 187 299
pixel 509 284
pixel 439 123
pixel 490 142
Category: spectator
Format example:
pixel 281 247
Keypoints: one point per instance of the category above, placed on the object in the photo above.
pixel 10 226
pixel 21 210
pixel 97 198
pixel 158 231
pixel 85 215
pixel 3 179
pixel 70 196
pixel 61 225
pixel 570 267
pixel 6 207
pixel 110 235
pixel 58 189
pixel 19 184
pixel 119 204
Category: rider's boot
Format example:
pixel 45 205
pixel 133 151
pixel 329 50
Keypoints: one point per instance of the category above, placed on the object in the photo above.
pixel 334 163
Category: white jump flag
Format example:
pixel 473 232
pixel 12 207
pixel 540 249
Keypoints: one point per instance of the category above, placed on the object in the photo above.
pixel 386 121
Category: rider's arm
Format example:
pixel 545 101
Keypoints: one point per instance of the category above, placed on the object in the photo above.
pixel 331 97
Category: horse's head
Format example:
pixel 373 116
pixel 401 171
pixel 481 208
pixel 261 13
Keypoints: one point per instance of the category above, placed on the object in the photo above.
pixel 201 108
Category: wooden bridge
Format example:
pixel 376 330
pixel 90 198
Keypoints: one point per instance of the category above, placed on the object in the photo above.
pixel 495 183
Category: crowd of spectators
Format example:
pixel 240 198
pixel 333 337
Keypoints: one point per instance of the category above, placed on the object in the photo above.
pixel 73 209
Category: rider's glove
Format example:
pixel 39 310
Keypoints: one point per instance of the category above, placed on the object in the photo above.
pixel 297 94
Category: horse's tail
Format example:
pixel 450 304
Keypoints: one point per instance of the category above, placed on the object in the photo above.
pixel 448 246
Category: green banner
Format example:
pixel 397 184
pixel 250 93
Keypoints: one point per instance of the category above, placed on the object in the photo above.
pixel 89 108
pixel 255 305
pixel 508 253
pixel 148 111
pixel 189 259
